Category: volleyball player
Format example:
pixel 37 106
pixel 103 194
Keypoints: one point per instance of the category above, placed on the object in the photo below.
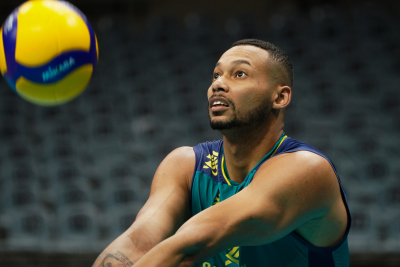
pixel 255 198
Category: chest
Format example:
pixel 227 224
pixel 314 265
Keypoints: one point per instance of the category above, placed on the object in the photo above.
pixel 207 191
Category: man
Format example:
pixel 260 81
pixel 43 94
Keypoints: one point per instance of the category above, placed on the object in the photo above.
pixel 255 198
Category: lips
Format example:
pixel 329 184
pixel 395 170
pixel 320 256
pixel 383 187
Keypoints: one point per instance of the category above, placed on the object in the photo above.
pixel 217 102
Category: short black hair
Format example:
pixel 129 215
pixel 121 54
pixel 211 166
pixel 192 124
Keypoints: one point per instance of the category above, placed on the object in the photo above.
pixel 276 55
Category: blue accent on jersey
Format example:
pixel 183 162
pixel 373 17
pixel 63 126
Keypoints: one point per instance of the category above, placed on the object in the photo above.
pixel 209 183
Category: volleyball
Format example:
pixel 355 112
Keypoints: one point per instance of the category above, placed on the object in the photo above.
pixel 48 51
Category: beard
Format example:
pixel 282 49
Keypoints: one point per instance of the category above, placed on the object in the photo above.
pixel 253 117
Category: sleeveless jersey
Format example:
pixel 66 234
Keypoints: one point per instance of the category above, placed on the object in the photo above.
pixel 211 184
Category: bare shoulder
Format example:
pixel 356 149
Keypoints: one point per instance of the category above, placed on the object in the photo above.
pixel 300 176
pixel 300 163
pixel 177 165
pixel 306 159
pixel 181 156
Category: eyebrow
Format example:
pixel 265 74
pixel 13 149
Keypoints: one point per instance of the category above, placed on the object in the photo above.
pixel 236 62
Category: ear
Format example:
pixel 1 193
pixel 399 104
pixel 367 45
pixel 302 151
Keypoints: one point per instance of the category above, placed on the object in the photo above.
pixel 282 97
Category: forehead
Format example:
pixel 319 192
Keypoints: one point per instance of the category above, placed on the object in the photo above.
pixel 254 55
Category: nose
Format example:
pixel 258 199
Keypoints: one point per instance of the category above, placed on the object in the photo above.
pixel 219 85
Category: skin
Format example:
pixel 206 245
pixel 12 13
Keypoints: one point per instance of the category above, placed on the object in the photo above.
pixel 247 86
pixel 305 198
pixel 164 212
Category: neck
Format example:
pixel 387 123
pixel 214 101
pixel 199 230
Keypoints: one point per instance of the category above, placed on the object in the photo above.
pixel 244 148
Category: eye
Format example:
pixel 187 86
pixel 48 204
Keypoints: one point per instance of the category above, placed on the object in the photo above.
pixel 216 76
pixel 240 74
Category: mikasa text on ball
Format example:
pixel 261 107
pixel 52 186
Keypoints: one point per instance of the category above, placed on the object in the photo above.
pixel 48 51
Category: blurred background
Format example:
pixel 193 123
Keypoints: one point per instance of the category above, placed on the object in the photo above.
pixel 73 177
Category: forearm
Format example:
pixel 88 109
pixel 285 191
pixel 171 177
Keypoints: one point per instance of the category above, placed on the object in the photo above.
pixel 188 246
pixel 128 248
pixel 204 236
pixel 169 253
pixel 121 252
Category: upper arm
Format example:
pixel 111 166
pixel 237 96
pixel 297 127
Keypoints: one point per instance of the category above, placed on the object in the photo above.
pixel 290 190
pixel 164 212
pixel 167 207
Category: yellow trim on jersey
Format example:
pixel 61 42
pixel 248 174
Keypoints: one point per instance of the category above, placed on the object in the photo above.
pixel 223 171
pixel 222 161
pixel 278 145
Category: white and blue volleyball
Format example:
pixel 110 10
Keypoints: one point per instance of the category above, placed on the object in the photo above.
pixel 48 51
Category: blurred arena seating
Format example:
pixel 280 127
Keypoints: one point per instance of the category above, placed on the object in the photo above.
pixel 73 177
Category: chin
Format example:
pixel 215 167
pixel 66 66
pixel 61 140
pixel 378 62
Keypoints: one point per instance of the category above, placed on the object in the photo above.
pixel 216 123
pixel 221 124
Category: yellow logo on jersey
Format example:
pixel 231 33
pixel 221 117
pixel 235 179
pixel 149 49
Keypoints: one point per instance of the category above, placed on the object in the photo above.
pixel 233 256
pixel 212 163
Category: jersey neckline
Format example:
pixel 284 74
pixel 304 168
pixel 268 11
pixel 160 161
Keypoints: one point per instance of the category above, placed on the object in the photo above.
pixel 267 156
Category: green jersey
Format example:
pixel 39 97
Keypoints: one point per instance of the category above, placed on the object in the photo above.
pixel 211 185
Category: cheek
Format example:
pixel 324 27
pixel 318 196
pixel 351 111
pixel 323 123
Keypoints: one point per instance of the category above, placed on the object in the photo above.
pixel 247 101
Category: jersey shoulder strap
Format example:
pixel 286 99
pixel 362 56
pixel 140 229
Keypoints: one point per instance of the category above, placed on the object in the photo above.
pixel 208 158
pixel 292 145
